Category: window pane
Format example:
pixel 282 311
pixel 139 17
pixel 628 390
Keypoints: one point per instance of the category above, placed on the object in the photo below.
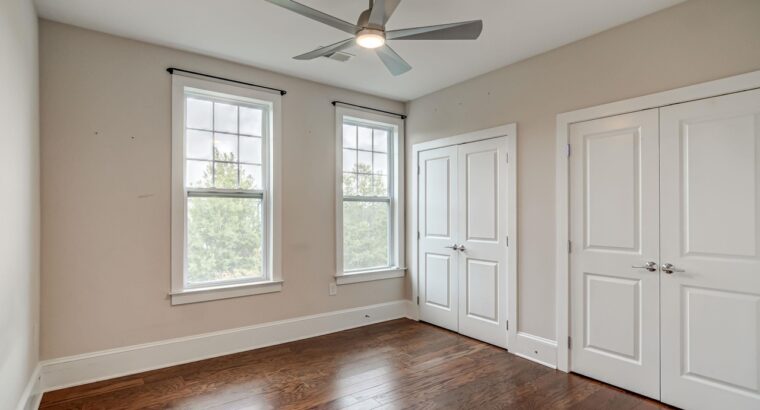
pixel 225 117
pixel 365 138
pixel 365 162
pixel 365 185
pixel 198 114
pixel 225 175
pixel 349 136
pixel 225 147
pixel 199 174
pixel 349 184
pixel 198 144
pixel 365 235
pixel 381 185
pixel 349 160
pixel 380 142
pixel 250 121
pixel 250 177
pixel 380 163
pixel 250 150
pixel 224 239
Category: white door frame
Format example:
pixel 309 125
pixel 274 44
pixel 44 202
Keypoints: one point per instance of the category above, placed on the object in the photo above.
pixel 738 83
pixel 510 132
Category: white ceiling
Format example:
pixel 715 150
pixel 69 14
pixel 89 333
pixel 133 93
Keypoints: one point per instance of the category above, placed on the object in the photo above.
pixel 261 34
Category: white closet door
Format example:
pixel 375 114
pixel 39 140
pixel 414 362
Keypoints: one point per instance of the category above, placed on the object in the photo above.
pixel 438 221
pixel 483 240
pixel 614 226
pixel 710 164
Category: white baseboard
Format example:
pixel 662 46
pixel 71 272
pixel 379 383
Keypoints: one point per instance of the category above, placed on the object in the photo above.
pixel 535 348
pixel 412 311
pixel 91 367
pixel 31 396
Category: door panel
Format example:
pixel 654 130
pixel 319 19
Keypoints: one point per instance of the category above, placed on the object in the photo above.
pixel 483 230
pixel 438 280
pixel 438 230
pixel 438 179
pixel 481 195
pixel 614 225
pixel 612 179
pixel 482 290
pixel 614 333
pixel 706 314
pixel 710 164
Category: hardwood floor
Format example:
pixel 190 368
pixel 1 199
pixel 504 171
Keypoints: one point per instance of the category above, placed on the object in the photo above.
pixel 396 364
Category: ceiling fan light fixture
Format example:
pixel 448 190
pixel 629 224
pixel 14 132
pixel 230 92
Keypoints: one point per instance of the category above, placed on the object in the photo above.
pixel 369 38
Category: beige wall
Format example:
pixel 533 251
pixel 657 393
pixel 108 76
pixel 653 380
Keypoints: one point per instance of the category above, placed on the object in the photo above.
pixel 19 207
pixel 105 188
pixel 696 41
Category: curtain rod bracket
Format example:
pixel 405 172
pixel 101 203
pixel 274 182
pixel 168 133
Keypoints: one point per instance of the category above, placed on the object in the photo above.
pixel 171 70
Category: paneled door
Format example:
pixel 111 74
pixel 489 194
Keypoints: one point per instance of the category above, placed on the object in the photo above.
pixel 438 228
pixel 462 200
pixel 482 173
pixel 710 204
pixel 614 228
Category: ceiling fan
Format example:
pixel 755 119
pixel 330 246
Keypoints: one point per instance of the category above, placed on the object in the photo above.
pixel 369 32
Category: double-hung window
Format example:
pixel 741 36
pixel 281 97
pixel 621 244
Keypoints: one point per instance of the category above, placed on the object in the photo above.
pixel 224 185
pixel 370 196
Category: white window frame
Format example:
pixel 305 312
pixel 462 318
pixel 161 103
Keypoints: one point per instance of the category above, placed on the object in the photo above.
pixel 397 267
pixel 180 293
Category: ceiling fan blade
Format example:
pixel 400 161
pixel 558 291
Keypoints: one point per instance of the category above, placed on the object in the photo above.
pixel 390 7
pixel 465 30
pixel 316 15
pixel 382 11
pixel 393 62
pixel 377 15
pixel 326 50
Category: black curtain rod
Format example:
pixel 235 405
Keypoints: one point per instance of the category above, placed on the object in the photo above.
pixel 402 116
pixel 171 70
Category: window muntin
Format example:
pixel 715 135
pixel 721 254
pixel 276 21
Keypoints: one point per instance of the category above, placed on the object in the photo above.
pixel 225 139
pixel 367 231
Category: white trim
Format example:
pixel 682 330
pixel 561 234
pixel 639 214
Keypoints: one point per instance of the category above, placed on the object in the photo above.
pixel 368 276
pixel 513 241
pixel 509 131
pixel 224 292
pixel 535 348
pixel 708 89
pixel 31 396
pixel 397 195
pixel 495 132
pixel 272 195
pixel 411 311
pixel 107 364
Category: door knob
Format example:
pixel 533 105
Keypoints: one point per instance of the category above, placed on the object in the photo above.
pixel 669 268
pixel 462 248
pixel 454 247
pixel 650 266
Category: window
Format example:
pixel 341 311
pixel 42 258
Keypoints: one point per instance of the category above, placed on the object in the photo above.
pixel 224 225
pixel 370 210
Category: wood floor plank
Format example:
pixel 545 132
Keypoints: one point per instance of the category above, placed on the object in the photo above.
pixel 395 364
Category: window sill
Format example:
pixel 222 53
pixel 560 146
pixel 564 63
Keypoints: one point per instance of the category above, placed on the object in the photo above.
pixel 224 292
pixel 368 276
